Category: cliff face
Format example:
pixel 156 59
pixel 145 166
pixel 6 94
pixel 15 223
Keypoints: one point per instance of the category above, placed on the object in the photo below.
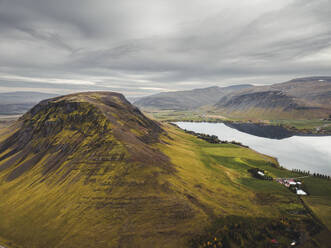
pixel 79 128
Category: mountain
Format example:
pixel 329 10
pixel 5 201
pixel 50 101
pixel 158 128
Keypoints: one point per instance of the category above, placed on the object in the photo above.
pixel 298 98
pixel 187 100
pixel 302 98
pixel 20 102
pixel 95 152
pixel 90 170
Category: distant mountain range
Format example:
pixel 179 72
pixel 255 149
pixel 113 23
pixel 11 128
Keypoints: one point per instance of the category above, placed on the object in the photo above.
pixel 21 101
pixel 298 98
pixel 189 99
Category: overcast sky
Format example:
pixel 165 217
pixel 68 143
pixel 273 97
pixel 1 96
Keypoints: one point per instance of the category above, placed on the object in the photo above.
pixel 141 47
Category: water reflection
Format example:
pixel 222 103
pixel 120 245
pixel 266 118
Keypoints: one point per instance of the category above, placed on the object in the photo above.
pixel 300 152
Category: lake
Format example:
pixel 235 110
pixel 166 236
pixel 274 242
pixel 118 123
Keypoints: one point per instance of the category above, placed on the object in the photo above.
pixel 311 153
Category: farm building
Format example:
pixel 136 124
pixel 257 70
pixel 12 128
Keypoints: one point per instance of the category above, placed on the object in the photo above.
pixel 301 192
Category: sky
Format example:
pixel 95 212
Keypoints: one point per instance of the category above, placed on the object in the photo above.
pixel 142 47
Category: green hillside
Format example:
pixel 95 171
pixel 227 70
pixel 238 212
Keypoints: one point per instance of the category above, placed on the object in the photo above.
pixel 90 170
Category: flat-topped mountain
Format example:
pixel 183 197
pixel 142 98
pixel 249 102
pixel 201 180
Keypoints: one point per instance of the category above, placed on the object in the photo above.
pixel 188 100
pixel 86 165
pixel 67 129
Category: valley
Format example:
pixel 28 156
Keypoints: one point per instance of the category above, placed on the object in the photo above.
pixel 301 127
pixel 90 170
pixel 302 106
pixel 165 124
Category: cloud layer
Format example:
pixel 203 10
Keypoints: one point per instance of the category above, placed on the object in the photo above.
pixel 147 46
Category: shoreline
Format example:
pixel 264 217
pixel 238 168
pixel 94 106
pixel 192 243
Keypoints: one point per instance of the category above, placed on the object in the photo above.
pixel 252 128
pixel 289 168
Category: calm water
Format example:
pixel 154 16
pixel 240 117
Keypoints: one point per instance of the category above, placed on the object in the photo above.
pixel 305 153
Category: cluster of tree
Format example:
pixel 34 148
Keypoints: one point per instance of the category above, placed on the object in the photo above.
pixel 236 143
pixel 303 172
pixel 213 139
pixel 307 173
pixel 209 138
pixel 255 173
pixel 323 176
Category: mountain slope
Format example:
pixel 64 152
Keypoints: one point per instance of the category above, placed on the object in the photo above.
pixel 187 100
pixel 20 102
pixel 298 98
pixel 92 150
pixel 90 170
pixel 302 98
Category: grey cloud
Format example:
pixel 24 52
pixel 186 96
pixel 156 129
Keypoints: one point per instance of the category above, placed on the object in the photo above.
pixel 146 46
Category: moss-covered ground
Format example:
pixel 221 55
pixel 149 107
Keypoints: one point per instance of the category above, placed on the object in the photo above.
pixel 126 204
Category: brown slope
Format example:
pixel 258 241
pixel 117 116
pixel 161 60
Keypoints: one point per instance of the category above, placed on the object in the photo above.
pixel 84 115
pixel 298 98
pixel 84 170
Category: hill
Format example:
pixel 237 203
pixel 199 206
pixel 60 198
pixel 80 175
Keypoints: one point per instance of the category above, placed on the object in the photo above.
pixel 12 103
pixel 187 100
pixel 302 98
pixel 90 170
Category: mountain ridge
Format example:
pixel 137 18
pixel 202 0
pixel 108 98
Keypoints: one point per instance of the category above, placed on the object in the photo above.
pixel 19 102
pixel 298 98
pixel 187 100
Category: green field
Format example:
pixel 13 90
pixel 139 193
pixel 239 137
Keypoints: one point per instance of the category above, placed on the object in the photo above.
pixel 297 125
pixel 222 169
pixel 310 124
pixel 209 192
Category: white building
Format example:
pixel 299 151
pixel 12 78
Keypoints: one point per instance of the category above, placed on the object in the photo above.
pixel 301 192
pixel 260 173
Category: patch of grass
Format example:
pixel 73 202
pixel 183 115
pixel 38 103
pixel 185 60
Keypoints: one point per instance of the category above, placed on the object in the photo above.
pixel 321 208
pixel 303 124
pixel 318 187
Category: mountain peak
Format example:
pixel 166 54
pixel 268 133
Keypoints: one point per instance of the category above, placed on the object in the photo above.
pixel 80 127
